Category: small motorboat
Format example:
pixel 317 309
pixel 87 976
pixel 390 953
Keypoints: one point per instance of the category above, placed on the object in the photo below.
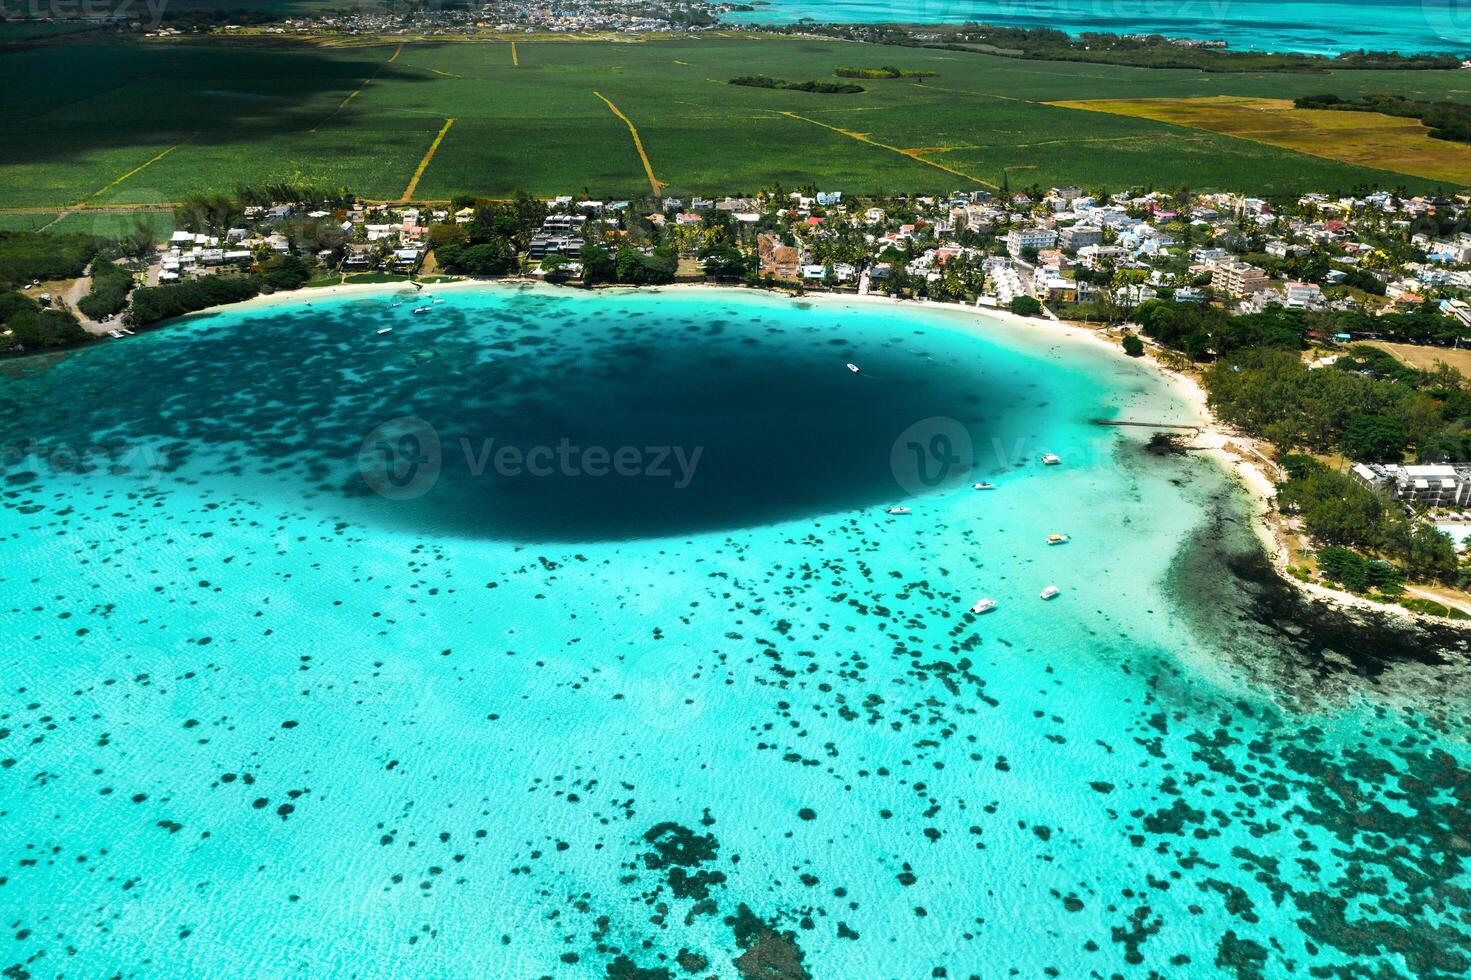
pixel 852 367
pixel 1051 592
pixel 1051 459
pixel 900 510
pixel 1057 539
pixel 983 486
pixel 439 301
pixel 117 334
pixel 385 330
pixel 984 606
pixel 421 309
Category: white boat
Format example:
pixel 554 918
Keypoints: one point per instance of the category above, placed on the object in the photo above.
pixel 421 309
pixel 385 330
pixel 852 367
pixel 984 606
pixel 439 301
pixel 983 486
pixel 1057 539
pixel 900 510
pixel 1051 592
pixel 1051 459
pixel 118 334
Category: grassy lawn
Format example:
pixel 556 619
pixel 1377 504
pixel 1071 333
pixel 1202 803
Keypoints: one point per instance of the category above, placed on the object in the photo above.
pixel 149 123
pixel 1425 358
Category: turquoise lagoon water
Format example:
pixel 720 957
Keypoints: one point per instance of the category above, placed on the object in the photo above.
pixel 295 688
pixel 1322 27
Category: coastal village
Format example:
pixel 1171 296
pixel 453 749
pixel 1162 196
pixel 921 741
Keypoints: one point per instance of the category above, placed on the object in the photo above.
pixel 1062 247
pixel 1373 269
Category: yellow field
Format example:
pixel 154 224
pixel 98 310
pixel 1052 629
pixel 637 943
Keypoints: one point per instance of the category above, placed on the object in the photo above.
pixel 1369 139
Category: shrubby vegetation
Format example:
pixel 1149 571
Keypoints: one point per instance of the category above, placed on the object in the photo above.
pixel 1025 306
pixel 26 326
pixel 628 266
pixel 1201 331
pixel 1272 394
pixel 111 284
pixel 727 263
pixel 825 88
pixel 29 255
pixel 887 71
pixel 154 303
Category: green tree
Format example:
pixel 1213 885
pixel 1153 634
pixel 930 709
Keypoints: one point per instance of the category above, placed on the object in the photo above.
pixel 1373 438
pixel 597 265
pixel 286 272
pixel 1133 346
pixel 1344 566
pixel 1024 306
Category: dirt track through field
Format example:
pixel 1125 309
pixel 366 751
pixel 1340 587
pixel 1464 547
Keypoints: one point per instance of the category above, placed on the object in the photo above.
pixel 916 155
pixel 638 144
pixel 424 163
pixel 99 192
pixel 354 94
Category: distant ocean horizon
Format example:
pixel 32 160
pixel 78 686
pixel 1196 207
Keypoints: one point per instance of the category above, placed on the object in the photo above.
pixel 1406 26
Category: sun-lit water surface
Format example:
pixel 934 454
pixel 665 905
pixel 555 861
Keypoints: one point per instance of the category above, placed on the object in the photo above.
pixel 259 718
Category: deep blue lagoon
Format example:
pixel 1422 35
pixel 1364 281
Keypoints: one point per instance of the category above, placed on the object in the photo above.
pixel 302 678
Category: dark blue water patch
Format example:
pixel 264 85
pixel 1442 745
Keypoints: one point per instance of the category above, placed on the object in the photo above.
pixel 534 419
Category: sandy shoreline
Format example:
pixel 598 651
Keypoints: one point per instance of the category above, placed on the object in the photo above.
pixel 1237 455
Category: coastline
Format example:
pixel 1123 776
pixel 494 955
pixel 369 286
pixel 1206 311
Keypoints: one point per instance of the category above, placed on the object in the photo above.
pixel 1235 454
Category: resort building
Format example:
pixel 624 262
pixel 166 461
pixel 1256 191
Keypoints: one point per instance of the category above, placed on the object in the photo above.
pixel 1238 279
pixel 1080 236
pixel 777 260
pixel 1443 485
pixel 1018 240
pixel 1302 296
